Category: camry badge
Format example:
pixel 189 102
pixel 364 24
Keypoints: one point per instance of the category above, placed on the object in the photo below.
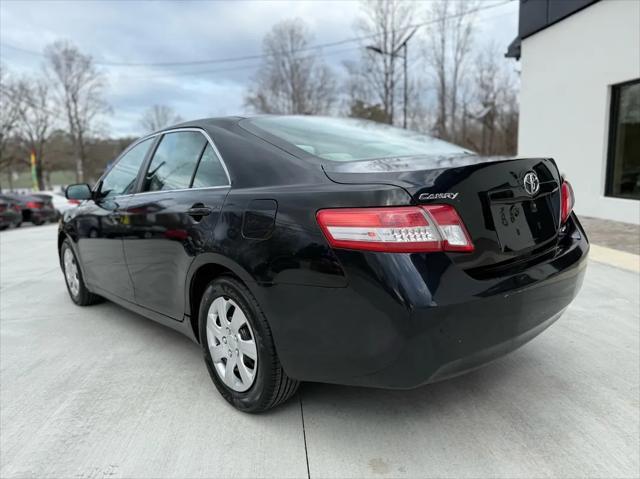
pixel 438 196
pixel 531 183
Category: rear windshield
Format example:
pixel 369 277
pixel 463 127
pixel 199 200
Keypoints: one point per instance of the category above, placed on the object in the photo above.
pixel 349 139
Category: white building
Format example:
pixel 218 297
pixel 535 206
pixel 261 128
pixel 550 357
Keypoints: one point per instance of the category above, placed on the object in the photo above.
pixel 580 98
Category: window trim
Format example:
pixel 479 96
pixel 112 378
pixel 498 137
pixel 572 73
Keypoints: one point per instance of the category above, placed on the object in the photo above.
pixel 614 110
pixel 149 156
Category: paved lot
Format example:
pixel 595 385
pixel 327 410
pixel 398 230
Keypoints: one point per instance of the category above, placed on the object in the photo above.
pixel 101 392
pixel 613 234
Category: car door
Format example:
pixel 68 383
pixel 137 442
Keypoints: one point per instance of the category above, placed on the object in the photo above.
pixel 171 219
pixel 100 225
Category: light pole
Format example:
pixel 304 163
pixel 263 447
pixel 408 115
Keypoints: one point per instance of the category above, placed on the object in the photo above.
pixel 404 56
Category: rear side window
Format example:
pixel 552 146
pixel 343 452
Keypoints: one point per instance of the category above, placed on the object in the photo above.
pixel 121 179
pixel 174 161
pixel 210 171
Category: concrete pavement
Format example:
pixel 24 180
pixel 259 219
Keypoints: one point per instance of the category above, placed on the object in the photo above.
pixel 101 392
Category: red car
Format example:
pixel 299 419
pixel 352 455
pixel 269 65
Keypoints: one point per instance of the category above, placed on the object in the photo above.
pixel 36 209
pixel 10 212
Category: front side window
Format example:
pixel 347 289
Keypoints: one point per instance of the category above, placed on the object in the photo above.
pixel 121 179
pixel 174 161
pixel 623 169
pixel 210 171
pixel 349 139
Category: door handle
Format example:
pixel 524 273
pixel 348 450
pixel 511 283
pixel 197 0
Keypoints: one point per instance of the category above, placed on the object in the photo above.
pixel 198 211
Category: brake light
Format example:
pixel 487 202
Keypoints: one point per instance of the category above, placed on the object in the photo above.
pixel 567 200
pixel 404 229
pixel 73 202
pixel 34 204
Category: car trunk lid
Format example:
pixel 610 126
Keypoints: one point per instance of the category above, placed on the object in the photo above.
pixel 505 221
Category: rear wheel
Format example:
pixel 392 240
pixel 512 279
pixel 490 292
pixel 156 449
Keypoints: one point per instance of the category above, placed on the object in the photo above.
pixel 238 348
pixel 73 277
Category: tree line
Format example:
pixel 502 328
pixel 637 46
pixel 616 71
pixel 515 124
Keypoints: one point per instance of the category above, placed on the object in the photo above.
pixel 54 116
pixel 458 90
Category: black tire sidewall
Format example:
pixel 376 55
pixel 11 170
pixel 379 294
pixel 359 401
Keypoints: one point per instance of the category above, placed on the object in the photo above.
pixel 83 293
pixel 255 398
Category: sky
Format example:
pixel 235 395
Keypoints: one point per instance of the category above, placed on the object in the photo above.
pixel 129 32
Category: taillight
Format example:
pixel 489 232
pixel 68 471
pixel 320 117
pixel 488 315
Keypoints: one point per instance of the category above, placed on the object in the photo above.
pixel 73 202
pixel 34 205
pixel 567 200
pixel 404 229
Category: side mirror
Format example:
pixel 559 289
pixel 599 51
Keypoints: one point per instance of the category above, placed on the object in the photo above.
pixel 80 191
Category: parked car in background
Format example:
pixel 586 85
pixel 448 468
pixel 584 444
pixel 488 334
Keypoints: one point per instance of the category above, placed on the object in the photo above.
pixel 327 250
pixel 35 209
pixel 60 202
pixel 10 212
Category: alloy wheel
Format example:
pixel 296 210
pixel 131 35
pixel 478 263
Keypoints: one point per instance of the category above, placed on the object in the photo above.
pixel 232 344
pixel 71 272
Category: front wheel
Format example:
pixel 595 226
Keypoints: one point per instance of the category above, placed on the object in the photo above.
pixel 238 348
pixel 73 277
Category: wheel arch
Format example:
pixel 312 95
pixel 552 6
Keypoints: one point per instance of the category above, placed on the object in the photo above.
pixel 63 235
pixel 67 233
pixel 203 270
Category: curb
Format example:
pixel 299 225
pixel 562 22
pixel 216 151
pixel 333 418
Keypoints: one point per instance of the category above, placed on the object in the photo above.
pixel 613 257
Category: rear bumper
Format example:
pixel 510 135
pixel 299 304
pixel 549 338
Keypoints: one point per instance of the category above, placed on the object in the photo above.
pixel 406 320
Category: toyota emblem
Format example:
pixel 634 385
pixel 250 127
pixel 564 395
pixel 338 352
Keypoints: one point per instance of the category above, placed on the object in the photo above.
pixel 531 183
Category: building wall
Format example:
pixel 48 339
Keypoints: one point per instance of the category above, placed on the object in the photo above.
pixel 567 72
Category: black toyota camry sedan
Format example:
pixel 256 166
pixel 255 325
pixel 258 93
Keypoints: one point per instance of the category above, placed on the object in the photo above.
pixel 332 250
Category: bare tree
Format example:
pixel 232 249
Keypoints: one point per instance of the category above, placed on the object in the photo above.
pixel 385 25
pixel 80 88
pixel 495 99
pixel 291 80
pixel 8 109
pixel 158 117
pixel 35 121
pixel 8 122
pixel 448 44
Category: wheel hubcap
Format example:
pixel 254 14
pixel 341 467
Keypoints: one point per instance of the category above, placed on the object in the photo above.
pixel 232 344
pixel 71 272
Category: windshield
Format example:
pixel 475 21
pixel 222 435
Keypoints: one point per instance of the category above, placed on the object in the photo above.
pixel 349 139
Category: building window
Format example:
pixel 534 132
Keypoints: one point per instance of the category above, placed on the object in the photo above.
pixel 623 162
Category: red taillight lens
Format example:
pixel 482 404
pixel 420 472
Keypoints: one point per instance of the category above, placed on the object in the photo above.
pixel 405 229
pixel 454 235
pixel 34 205
pixel 567 200
pixel 74 202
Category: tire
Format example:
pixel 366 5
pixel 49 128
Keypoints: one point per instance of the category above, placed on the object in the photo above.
pixel 270 385
pixel 77 291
